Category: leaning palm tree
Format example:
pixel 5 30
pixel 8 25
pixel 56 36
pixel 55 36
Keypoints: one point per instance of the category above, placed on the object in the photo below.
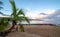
pixel 17 15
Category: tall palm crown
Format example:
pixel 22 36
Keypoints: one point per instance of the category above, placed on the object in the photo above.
pixel 16 14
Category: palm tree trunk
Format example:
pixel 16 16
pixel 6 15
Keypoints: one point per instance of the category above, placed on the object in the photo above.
pixel 14 23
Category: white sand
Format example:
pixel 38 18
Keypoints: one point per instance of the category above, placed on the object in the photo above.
pixel 38 31
pixel 22 34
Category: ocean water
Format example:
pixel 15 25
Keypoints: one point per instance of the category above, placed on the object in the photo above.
pixel 35 22
pixel 32 22
pixel 39 22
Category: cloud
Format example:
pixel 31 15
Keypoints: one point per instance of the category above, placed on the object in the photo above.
pixel 43 14
pixel 50 11
pixel 55 15
pixel 53 18
pixel 46 16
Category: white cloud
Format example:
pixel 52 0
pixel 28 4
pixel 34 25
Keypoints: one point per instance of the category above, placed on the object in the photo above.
pixel 47 16
pixel 38 14
pixel 32 15
pixel 49 12
pixel 53 18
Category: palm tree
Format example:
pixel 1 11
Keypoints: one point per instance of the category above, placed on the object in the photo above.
pixel 17 15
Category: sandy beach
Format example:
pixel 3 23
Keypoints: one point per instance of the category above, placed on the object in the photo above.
pixel 37 31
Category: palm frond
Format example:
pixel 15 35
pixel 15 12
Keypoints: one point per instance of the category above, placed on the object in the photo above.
pixel 1 2
pixel 4 21
pixel 13 13
pixel 21 12
pixel 26 18
pixel 3 24
pixel 22 18
pixel 19 18
pixel 2 13
pixel 2 28
pixel 13 8
pixel 1 7
pixel 17 9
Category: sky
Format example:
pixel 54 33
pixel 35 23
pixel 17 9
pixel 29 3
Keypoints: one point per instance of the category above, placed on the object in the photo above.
pixel 46 10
